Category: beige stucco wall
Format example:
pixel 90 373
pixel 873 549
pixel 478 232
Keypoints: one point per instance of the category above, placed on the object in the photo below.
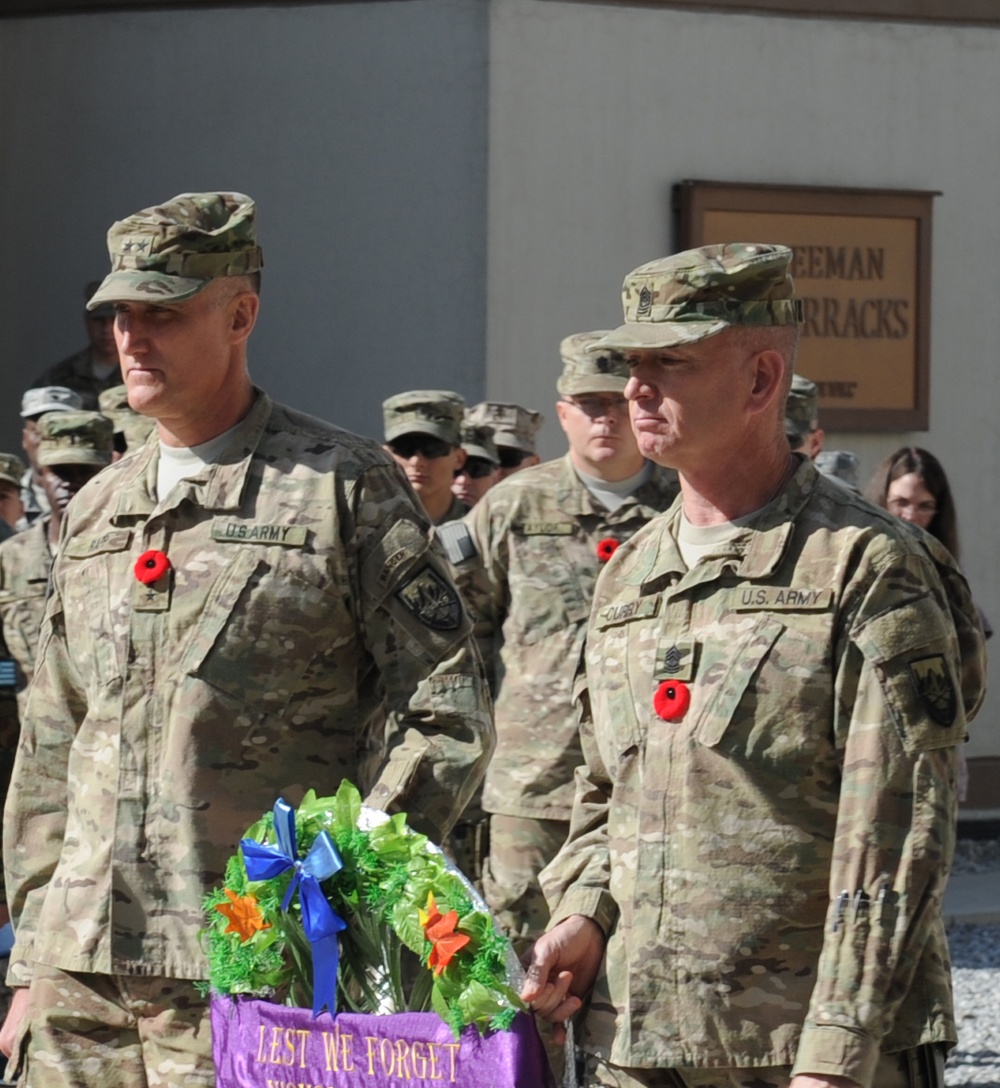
pixel 596 110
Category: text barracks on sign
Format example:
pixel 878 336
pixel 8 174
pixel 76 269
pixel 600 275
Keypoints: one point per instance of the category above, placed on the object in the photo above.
pixel 867 318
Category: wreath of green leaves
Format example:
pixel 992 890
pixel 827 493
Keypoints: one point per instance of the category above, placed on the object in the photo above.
pixel 389 871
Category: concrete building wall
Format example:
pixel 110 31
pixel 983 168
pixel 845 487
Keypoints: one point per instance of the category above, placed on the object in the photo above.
pixel 359 129
pixel 596 111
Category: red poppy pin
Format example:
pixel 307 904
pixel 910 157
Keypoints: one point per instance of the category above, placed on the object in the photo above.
pixel 151 566
pixel 606 548
pixel 671 700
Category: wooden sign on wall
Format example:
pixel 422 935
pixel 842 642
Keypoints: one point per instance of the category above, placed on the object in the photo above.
pixel 862 267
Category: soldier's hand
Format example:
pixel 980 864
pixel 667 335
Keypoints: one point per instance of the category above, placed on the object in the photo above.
pixel 12 1024
pixel 564 964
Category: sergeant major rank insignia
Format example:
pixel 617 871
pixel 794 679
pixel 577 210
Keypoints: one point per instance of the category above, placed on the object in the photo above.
pixel 645 303
pixel 429 597
pixel 930 674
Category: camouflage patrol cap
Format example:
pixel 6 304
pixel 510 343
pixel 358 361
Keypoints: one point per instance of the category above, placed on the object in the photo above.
pixel 586 371
pixel 172 251
pixel 695 294
pixel 135 428
pixel 75 438
pixel 102 309
pixel 11 469
pixel 49 398
pixel 801 408
pixel 477 441
pixel 513 426
pixel 436 412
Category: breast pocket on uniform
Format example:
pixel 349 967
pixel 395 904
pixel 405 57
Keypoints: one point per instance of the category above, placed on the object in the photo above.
pixel 730 678
pixel 550 595
pixel 260 627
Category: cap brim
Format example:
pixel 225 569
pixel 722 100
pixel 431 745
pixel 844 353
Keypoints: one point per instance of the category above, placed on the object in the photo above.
pixel 411 427
pixel 7 479
pixel 511 442
pixel 479 451
pixel 49 406
pixel 642 335
pixel 591 383
pixel 74 457
pixel 145 287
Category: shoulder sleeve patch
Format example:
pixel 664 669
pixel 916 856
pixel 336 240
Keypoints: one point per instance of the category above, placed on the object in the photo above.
pixel 432 600
pixel 404 543
pixel 935 688
pixel 913 652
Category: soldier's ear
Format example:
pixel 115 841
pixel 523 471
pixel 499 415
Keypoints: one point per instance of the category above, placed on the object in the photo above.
pixel 244 310
pixel 768 380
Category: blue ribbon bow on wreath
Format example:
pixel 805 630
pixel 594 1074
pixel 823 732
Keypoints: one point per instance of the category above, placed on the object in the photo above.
pixel 319 920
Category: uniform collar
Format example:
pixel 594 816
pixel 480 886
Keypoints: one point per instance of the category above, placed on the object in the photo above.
pixel 574 497
pixel 756 552
pixel 219 487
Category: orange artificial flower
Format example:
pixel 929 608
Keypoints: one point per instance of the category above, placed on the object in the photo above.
pixel 243 914
pixel 440 931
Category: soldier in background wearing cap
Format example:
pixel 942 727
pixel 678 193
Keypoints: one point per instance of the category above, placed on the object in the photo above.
pixel 131 429
pixel 776 679
pixel 802 427
pixel 11 504
pixel 34 404
pixel 542 537
pixel 423 433
pixel 805 435
pixel 248 606
pixel 90 371
pixel 481 469
pixel 72 447
pixel 515 433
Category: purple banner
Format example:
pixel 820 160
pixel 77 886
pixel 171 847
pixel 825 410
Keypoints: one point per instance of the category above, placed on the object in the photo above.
pixel 260 1045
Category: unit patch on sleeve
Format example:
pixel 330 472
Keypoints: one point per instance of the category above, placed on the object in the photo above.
pixel 429 597
pixel 934 686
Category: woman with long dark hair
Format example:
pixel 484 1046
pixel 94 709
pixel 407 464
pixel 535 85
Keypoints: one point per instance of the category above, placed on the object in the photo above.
pixel 911 484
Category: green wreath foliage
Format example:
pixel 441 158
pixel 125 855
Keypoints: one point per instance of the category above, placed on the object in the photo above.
pixel 382 892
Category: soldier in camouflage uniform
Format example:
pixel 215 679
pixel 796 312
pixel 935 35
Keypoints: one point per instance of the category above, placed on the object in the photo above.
pixel 777 675
pixel 541 538
pixel 481 469
pixel 34 404
pixel 131 429
pixel 73 447
pixel 515 433
pixel 245 609
pixel 96 368
pixel 423 433
pixel 805 435
pixel 11 505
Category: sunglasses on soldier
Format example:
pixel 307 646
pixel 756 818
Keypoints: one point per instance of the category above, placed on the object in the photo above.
pixel 511 457
pixel 476 468
pixel 424 444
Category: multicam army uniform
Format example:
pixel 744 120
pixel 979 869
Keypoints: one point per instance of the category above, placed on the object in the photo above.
pixel 76 372
pixel 303 605
pixel 25 563
pixel 829 686
pixel 537 535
